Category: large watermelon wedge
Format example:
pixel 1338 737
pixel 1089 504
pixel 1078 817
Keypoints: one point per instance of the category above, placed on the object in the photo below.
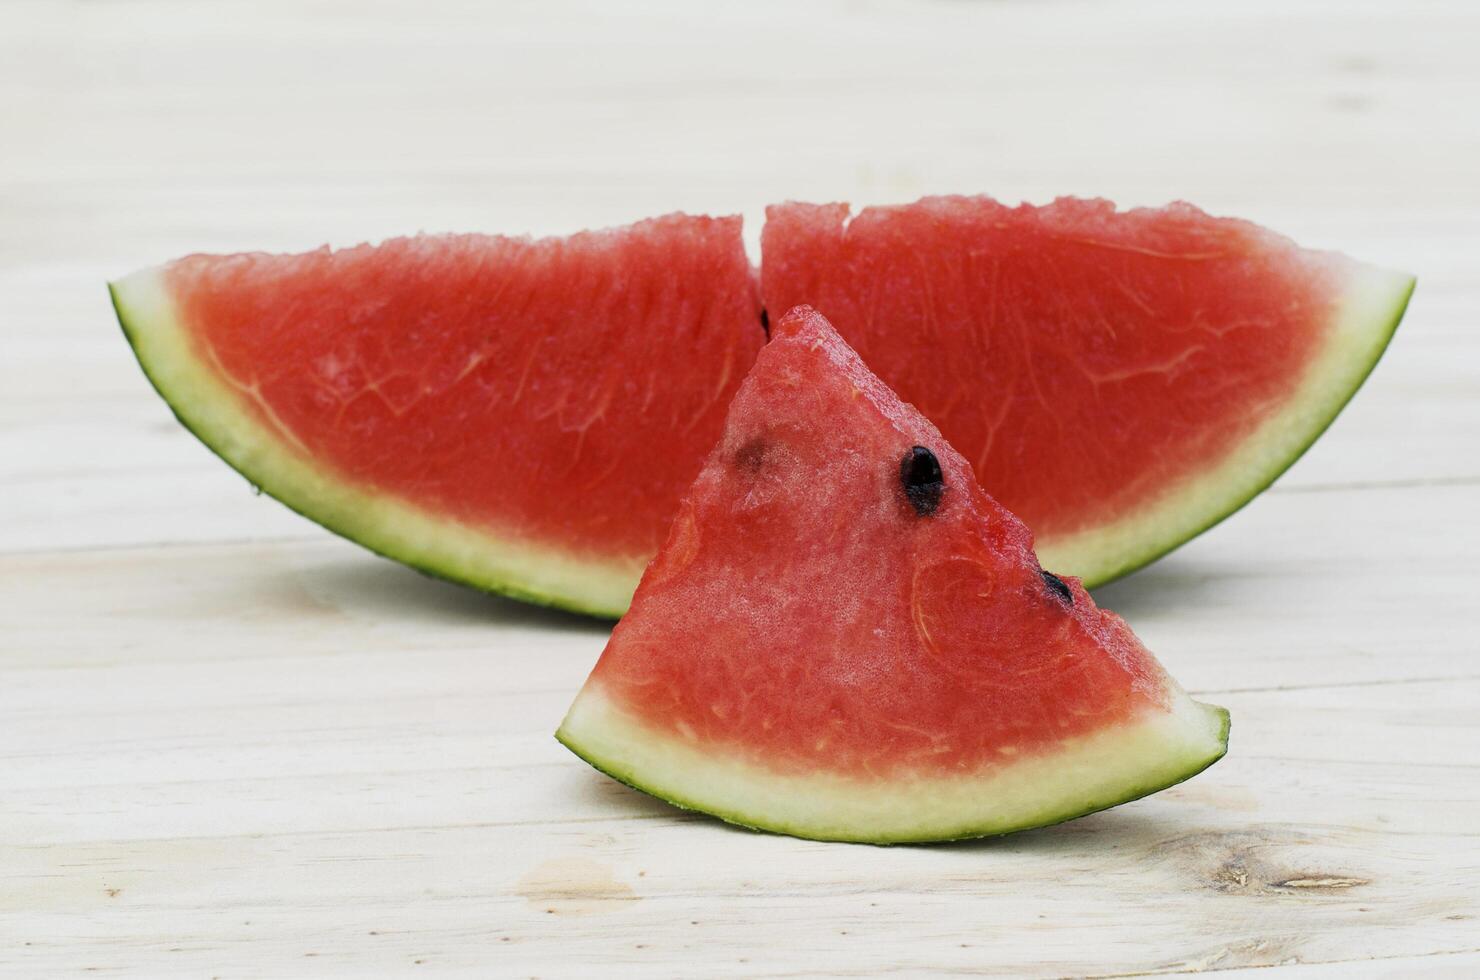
pixel 519 415
pixel 1119 380
pixel 523 415
pixel 845 638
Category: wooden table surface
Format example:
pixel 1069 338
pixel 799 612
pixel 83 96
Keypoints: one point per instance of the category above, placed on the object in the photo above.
pixel 233 745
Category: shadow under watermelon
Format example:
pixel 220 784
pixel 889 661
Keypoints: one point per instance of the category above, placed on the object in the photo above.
pixel 374 587
pixel 1172 585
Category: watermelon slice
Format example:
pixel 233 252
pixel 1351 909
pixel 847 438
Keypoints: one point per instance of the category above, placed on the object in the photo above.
pixel 523 416
pixel 1120 380
pixel 519 415
pixel 845 638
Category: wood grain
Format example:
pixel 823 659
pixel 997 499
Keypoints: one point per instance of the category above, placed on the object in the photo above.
pixel 231 745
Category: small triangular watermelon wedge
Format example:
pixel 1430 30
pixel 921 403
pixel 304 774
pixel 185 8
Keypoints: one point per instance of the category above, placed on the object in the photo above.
pixel 845 638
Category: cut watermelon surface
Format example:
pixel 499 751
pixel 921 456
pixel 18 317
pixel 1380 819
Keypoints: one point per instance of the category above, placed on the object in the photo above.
pixel 523 415
pixel 518 415
pixel 845 638
pixel 1119 380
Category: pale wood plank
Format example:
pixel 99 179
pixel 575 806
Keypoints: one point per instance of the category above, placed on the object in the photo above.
pixel 1449 965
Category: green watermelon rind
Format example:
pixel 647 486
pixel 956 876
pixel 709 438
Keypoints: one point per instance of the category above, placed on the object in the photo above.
pixel 207 404
pixel 1206 741
pixel 1363 323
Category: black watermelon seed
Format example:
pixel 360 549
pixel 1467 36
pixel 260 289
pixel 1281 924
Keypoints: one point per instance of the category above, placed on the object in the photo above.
pixel 919 472
pixel 766 322
pixel 1058 587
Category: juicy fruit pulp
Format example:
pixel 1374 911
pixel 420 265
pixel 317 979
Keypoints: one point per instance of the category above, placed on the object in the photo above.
pixel 844 637
pixel 1119 380
pixel 520 415
pixel 523 415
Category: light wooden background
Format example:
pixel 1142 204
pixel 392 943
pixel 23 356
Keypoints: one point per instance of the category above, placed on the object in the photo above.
pixel 231 745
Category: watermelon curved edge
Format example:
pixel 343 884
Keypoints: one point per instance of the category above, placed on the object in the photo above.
pixel 1097 772
pixel 208 407
pixel 1365 319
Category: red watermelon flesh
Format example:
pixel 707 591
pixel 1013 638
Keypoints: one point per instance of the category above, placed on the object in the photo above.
pixel 523 415
pixel 520 414
pixel 845 637
pixel 1119 379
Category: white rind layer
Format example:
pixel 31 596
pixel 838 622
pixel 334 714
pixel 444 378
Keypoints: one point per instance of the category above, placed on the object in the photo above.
pixel 1363 322
pixel 1081 775
pixel 221 413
